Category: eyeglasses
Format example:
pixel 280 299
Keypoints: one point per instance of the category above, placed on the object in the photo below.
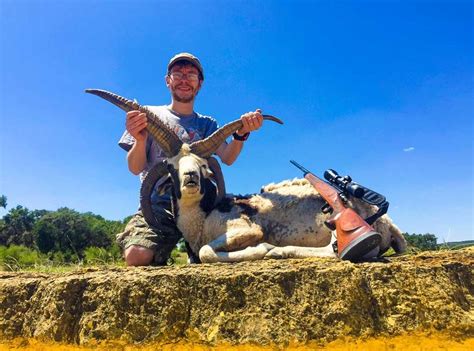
pixel 192 77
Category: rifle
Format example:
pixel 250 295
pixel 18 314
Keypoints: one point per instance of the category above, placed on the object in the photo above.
pixel 355 237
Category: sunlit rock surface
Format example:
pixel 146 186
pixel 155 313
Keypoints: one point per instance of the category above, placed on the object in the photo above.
pixel 274 302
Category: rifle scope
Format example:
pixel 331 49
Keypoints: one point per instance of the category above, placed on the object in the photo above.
pixel 345 184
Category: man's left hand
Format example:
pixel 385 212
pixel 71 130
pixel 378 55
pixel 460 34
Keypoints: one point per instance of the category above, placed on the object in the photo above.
pixel 251 121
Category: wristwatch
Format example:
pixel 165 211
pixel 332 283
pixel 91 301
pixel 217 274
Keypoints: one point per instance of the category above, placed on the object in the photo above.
pixel 240 137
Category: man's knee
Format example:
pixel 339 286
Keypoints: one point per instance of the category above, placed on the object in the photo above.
pixel 138 256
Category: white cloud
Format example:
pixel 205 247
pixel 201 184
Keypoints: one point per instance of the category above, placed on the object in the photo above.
pixel 409 149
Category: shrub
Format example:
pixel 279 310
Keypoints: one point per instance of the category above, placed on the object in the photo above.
pixel 178 257
pixel 421 242
pixel 16 257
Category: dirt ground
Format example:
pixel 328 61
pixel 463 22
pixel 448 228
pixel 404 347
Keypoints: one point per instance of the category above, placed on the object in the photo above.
pixel 273 304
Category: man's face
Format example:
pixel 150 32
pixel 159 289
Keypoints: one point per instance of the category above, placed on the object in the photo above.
pixel 180 81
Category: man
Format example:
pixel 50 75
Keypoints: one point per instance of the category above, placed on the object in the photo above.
pixel 142 244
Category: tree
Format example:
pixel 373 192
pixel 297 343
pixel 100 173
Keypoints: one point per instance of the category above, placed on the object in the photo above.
pixel 70 232
pixel 17 226
pixel 3 201
pixel 3 236
pixel 104 227
pixel 422 241
pixel 65 232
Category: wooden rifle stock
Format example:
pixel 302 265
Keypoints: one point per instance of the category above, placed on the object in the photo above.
pixel 355 237
pixel 327 192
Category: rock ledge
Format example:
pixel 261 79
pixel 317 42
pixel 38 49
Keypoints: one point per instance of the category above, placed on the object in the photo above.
pixel 263 302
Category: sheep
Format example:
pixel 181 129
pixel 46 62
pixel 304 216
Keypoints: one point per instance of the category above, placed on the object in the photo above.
pixel 284 221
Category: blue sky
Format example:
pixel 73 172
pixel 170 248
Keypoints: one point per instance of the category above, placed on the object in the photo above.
pixel 380 90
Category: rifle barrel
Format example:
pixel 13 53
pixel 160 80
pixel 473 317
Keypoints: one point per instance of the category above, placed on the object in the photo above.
pixel 296 164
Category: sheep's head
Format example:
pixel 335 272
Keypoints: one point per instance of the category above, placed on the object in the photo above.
pixel 190 174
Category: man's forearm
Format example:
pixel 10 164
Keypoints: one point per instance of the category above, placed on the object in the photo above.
pixel 136 157
pixel 228 153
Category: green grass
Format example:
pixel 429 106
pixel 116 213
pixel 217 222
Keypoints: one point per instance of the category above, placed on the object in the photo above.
pixel 456 245
pixel 16 258
pixel 19 258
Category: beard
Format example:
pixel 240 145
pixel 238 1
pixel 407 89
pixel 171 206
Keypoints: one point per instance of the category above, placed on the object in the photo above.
pixel 184 99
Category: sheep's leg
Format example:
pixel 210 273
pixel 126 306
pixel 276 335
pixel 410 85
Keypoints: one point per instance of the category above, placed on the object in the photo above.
pixel 238 244
pixel 251 253
pixel 302 252
pixel 238 238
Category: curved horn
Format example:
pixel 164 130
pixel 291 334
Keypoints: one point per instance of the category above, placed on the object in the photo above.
pixel 164 136
pixel 219 178
pixel 154 175
pixel 119 101
pixel 206 147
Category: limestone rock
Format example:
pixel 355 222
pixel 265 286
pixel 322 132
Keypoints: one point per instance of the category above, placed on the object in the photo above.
pixel 262 302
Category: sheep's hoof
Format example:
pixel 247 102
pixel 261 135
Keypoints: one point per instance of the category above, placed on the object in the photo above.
pixel 207 255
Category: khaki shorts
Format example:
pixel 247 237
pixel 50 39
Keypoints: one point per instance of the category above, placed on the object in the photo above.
pixel 161 240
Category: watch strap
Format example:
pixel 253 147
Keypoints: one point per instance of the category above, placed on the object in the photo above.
pixel 240 137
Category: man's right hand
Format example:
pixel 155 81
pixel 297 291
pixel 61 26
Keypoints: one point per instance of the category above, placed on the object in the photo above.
pixel 136 123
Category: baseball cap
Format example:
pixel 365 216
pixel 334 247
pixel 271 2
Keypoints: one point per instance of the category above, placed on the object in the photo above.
pixel 186 56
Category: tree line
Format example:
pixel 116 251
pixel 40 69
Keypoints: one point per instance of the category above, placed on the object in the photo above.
pixel 63 235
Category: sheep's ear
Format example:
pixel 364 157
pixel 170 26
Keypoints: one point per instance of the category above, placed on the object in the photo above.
pixel 208 189
pixel 219 179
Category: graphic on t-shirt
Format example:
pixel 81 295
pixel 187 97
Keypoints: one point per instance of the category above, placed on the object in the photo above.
pixel 188 136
